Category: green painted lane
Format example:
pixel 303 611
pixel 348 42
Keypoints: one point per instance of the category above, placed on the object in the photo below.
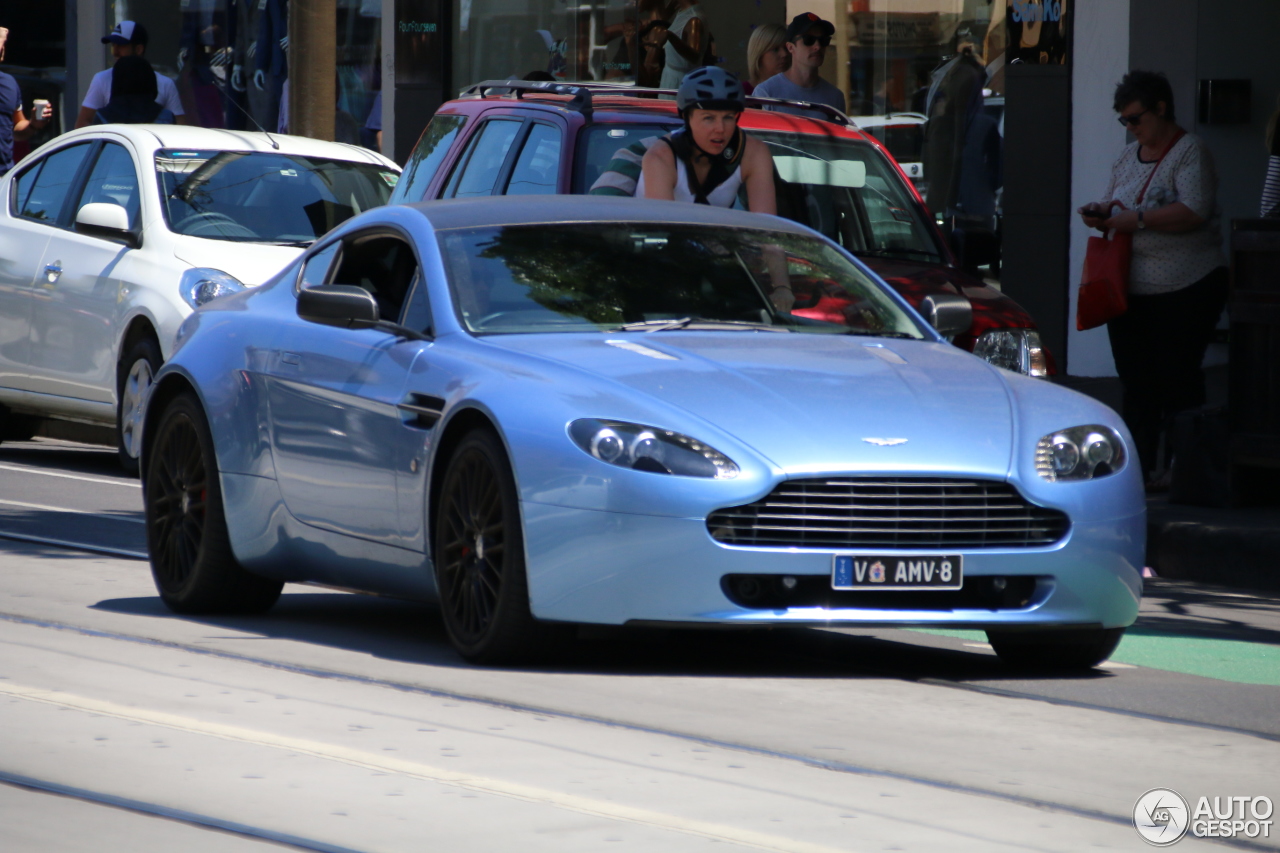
pixel 1208 657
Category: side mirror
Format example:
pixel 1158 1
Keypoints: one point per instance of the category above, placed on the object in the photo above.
pixel 342 305
pixel 951 315
pixel 975 247
pixel 108 221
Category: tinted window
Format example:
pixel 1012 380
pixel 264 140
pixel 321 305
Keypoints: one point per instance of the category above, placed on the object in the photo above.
pixel 478 171
pixel 113 180
pixel 435 143
pixel 538 168
pixel 52 183
pixel 600 144
pixel 644 276
pixel 265 196
pixel 384 266
pixel 417 314
pixel 318 265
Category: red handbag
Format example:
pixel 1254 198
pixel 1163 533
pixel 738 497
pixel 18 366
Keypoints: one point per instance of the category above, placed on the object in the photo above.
pixel 1104 287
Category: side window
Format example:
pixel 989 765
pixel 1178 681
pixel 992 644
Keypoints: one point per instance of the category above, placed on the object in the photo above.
pixel 318 265
pixel 435 143
pixel 114 180
pixel 538 168
pixel 477 171
pixel 383 265
pixel 49 191
pixel 417 314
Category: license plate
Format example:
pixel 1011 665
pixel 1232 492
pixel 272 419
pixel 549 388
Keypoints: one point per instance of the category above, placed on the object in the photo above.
pixel 878 571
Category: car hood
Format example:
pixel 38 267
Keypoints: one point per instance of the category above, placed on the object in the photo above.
pixel 914 280
pixel 251 263
pixel 806 402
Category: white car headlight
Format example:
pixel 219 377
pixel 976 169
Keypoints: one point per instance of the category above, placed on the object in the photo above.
pixel 1079 453
pixel 645 448
pixel 202 285
pixel 1018 350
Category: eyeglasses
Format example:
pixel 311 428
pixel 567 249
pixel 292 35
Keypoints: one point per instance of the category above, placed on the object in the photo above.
pixel 810 41
pixel 1132 120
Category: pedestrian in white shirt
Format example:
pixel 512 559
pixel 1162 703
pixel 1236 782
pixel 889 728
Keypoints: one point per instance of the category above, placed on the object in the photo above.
pixel 129 38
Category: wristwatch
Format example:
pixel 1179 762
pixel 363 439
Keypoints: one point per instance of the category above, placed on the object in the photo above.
pixel 1141 223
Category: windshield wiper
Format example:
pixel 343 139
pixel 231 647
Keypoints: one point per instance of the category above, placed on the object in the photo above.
pixel 297 244
pixel 697 324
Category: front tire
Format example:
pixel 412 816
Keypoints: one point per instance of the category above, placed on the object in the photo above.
pixel 1071 649
pixel 479 556
pixel 134 376
pixel 191 560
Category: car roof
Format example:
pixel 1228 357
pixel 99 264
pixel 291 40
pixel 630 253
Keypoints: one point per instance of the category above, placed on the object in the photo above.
pixel 566 209
pixel 150 137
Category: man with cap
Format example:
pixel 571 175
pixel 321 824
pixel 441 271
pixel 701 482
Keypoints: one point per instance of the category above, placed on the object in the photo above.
pixel 808 37
pixel 129 38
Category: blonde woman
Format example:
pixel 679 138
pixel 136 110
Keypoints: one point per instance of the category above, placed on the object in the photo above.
pixel 767 54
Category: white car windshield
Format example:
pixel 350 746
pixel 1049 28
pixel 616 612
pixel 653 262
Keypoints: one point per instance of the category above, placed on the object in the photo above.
pixel 641 277
pixel 264 197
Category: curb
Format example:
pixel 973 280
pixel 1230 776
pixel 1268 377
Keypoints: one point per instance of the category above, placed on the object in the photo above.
pixel 1237 547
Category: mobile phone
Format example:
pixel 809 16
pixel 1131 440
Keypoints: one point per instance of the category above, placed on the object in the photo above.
pixel 1097 212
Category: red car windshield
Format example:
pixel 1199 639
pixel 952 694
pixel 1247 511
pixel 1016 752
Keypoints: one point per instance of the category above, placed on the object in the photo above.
pixel 843 188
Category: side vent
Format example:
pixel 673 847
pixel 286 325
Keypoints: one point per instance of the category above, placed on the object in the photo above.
pixel 421 410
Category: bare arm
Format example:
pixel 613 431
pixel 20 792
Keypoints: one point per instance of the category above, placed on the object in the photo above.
pixel 689 43
pixel 1174 218
pixel 84 118
pixel 757 174
pixel 659 170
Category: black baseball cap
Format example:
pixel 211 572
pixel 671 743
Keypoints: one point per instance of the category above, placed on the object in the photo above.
pixel 126 32
pixel 806 21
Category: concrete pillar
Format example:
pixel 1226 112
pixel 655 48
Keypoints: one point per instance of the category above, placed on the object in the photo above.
pixel 313 43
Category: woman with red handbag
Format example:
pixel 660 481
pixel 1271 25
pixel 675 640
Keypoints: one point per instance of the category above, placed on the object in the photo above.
pixel 1163 193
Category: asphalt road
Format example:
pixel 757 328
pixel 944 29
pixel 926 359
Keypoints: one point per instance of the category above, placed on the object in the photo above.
pixel 345 722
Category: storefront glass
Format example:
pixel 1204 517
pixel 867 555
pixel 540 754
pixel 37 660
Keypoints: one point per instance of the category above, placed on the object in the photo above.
pixel 230 60
pixel 569 41
pixel 928 78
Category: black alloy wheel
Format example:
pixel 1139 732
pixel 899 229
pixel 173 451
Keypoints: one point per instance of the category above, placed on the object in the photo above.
pixel 191 559
pixel 479 556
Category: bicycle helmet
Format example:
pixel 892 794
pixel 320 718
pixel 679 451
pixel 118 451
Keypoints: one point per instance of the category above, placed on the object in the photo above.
pixel 710 88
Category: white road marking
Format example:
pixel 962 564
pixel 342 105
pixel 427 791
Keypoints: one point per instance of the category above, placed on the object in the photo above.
pixel 373 761
pixel 1110 664
pixel 105 480
pixel 48 508
pixel 78 546
pixel 978 645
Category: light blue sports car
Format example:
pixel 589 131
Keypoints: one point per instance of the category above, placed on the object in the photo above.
pixel 552 410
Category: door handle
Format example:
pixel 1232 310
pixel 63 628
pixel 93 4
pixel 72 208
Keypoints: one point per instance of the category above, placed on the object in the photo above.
pixel 52 271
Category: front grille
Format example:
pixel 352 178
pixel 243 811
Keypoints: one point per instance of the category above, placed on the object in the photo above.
pixel 889 512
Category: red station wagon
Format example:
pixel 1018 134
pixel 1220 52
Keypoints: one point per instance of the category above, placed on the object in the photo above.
pixel 521 138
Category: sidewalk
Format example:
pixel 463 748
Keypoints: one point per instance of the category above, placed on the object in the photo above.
pixel 1237 547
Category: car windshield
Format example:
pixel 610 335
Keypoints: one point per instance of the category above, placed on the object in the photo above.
pixel 844 188
pixel 264 197
pixel 645 277
pixel 849 191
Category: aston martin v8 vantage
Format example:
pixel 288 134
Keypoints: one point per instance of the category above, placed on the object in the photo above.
pixel 557 410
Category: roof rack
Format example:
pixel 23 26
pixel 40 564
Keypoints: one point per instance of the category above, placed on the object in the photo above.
pixel 581 94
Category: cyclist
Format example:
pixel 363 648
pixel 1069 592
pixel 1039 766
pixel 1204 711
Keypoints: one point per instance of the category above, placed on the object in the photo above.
pixel 708 159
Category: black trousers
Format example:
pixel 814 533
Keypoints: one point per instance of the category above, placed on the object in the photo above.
pixel 1158 345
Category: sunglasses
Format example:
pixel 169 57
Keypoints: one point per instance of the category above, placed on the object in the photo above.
pixel 1132 120
pixel 810 41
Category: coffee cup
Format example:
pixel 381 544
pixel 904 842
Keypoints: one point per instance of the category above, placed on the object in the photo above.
pixel 42 109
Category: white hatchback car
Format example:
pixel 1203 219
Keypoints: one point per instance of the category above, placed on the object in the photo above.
pixel 111 235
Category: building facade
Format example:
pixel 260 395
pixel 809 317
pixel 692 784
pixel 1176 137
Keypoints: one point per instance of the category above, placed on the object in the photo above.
pixel 1046 133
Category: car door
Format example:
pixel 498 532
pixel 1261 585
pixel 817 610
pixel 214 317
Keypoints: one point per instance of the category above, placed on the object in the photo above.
pixel 75 318
pixel 338 433
pixel 36 201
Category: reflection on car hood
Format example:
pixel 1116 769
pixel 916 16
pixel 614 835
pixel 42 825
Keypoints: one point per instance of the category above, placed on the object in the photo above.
pixel 251 263
pixel 915 281
pixel 811 402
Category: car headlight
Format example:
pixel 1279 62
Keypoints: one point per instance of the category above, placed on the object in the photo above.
pixel 646 448
pixel 1018 350
pixel 1079 453
pixel 202 285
